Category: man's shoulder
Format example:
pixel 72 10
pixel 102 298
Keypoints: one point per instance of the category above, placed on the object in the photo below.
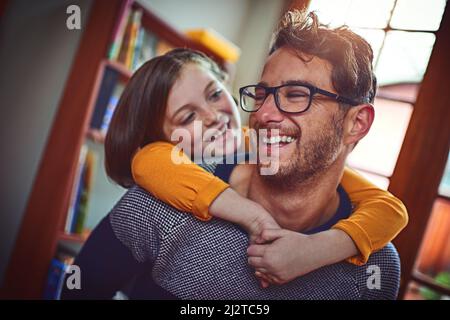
pixel 379 278
pixel 140 210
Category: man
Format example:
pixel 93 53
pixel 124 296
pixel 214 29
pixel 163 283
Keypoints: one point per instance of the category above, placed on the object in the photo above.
pixel 305 61
pixel 321 109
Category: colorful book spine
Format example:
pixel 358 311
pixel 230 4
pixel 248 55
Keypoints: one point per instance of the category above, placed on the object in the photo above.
pixel 112 104
pixel 119 31
pixel 86 191
pixel 55 279
pixel 109 81
pixel 148 48
pixel 75 187
pixel 125 40
pixel 138 49
pixel 134 29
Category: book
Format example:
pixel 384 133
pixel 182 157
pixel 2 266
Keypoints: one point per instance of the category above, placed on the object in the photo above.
pixel 137 44
pixel 147 48
pixel 75 187
pixel 56 275
pixel 76 217
pixel 85 193
pixel 112 104
pixel 109 81
pixel 134 29
pixel 119 30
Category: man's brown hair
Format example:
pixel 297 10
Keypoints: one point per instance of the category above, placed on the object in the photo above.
pixel 349 54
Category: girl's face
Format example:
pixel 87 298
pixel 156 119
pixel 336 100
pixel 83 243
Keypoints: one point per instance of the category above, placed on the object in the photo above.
pixel 202 112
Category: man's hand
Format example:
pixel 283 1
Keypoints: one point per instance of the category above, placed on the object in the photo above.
pixel 285 256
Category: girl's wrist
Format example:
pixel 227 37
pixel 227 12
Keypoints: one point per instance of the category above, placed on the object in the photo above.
pixel 334 246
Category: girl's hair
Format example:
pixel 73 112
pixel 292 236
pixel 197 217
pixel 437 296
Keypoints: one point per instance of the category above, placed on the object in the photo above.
pixel 139 116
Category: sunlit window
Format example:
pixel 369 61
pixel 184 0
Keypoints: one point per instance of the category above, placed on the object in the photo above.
pixel 401 33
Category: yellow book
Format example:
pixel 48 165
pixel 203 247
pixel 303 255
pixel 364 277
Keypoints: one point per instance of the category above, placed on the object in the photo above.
pixel 135 25
pixel 216 43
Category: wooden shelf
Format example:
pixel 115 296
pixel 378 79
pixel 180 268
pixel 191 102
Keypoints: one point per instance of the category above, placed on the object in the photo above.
pixel 96 135
pixel 119 67
pixel 73 237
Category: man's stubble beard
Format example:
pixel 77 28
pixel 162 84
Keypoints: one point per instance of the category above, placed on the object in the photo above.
pixel 310 159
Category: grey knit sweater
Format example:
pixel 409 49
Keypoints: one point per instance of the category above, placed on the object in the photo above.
pixel 193 259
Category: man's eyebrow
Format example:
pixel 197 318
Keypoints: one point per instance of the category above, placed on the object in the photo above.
pixel 298 82
pixel 293 82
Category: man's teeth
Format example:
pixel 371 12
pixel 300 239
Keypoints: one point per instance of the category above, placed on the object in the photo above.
pixel 278 139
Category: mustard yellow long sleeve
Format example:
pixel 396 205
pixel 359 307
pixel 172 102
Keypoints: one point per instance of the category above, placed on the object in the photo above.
pixel 184 186
pixel 378 216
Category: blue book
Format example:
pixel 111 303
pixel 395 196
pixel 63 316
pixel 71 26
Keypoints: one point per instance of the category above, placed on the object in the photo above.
pixel 112 104
pixel 76 212
pixel 55 280
pixel 107 86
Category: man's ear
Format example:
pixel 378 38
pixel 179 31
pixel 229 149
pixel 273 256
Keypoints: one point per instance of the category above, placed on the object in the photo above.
pixel 358 121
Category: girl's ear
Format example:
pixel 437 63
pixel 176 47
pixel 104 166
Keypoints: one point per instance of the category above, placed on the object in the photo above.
pixel 358 121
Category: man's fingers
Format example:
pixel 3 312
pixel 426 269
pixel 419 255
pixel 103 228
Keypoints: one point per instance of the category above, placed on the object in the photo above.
pixel 255 262
pixel 256 250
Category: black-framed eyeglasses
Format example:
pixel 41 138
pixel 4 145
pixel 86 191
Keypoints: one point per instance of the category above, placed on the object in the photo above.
pixel 289 98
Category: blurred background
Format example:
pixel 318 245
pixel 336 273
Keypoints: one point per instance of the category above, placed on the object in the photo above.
pixel 59 87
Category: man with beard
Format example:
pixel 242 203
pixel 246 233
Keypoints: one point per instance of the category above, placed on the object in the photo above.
pixel 316 90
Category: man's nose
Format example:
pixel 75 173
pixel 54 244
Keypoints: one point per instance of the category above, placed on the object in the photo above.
pixel 269 111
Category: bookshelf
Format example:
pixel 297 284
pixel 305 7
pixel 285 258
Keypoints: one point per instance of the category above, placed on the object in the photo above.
pixel 43 225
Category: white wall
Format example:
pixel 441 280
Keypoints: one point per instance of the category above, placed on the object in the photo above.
pixel 247 23
pixel 36 52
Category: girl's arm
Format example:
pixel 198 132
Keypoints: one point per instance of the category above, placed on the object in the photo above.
pixel 377 219
pixel 189 188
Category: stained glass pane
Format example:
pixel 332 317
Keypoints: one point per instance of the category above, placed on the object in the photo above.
pixel 378 151
pixel 379 181
pixel 418 14
pixel 354 13
pixel 374 37
pixel 404 57
pixel 369 13
pixel 331 12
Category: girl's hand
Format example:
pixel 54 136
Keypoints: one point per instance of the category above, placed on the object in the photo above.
pixel 287 254
pixel 262 221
